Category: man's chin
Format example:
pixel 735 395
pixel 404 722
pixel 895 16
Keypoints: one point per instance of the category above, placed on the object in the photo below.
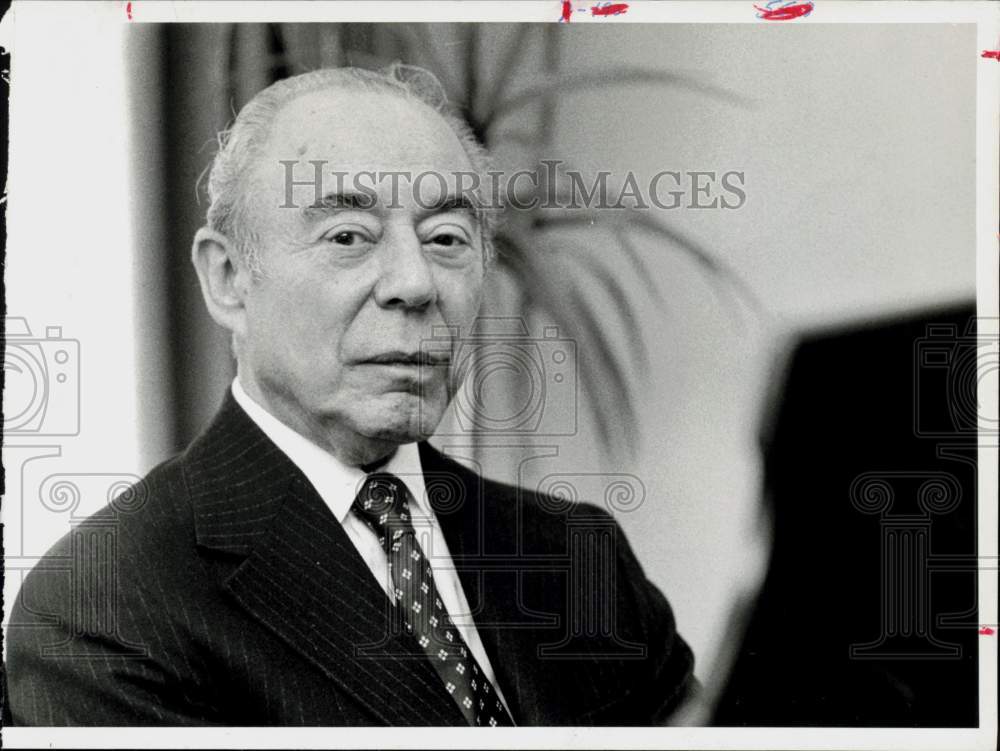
pixel 401 421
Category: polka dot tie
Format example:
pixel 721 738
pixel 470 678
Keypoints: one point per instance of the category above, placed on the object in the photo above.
pixel 384 504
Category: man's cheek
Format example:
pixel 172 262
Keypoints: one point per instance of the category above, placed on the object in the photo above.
pixel 461 303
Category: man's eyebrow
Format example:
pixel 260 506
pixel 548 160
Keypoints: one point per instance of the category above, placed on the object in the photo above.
pixel 450 203
pixel 340 202
pixel 333 202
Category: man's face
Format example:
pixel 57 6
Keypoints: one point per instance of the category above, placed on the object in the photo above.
pixel 346 294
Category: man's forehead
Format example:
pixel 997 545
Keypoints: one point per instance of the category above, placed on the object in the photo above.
pixel 355 130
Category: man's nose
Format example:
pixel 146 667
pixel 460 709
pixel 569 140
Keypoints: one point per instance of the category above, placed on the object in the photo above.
pixel 406 279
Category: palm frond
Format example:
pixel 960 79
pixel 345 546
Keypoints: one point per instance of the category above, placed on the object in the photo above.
pixel 618 76
pixel 638 260
pixel 601 367
pixel 636 219
pixel 425 51
pixel 564 255
pixel 508 65
pixel 624 305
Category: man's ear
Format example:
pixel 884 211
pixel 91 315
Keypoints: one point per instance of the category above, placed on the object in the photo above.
pixel 223 276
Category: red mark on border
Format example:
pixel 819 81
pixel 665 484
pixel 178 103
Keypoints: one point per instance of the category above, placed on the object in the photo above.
pixel 986 631
pixel 128 9
pixel 599 9
pixel 995 54
pixel 613 9
pixel 784 13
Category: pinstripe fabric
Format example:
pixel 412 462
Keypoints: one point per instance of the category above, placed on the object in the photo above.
pixel 235 598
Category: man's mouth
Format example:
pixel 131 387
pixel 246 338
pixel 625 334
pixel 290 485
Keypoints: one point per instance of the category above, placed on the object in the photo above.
pixel 399 357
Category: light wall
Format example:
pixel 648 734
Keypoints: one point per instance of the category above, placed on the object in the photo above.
pixel 69 266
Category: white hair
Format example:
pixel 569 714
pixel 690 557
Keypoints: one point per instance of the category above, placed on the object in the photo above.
pixel 242 143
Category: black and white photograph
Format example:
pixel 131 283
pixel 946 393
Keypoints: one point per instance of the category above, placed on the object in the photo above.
pixel 501 374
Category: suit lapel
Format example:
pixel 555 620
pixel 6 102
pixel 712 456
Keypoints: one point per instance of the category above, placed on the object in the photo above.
pixel 302 577
pixel 297 573
pixel 516 581
pixel 481 534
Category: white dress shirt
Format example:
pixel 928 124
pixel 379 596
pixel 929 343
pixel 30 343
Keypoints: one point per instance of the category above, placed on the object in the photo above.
pixel 338 485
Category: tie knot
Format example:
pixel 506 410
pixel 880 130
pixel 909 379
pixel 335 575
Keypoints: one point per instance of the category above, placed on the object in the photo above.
pixel 382 501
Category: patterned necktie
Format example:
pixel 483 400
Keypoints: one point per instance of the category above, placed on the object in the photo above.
pixel 384 504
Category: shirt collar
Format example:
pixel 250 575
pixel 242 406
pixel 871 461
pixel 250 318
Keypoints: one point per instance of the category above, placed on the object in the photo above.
pixel 337 483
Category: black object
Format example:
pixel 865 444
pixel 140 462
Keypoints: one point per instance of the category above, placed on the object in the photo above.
pixel 868 614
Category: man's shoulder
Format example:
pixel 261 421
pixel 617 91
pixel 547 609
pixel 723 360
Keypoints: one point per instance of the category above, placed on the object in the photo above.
pixel 155 505
pixel 141 528
pixel 539 516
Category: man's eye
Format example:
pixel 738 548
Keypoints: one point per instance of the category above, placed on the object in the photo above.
pixel 448 240
pixel 347 238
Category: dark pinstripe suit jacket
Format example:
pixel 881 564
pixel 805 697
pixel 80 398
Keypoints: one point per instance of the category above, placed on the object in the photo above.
pixel 222 591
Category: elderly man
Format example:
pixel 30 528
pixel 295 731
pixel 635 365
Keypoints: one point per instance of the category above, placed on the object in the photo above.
pixel 310 559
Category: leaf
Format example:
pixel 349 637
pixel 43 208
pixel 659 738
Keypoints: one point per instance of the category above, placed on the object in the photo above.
pixel 513 54
pixel 601 368
pixel 633 218
pixel 619 76
pixel 624 303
